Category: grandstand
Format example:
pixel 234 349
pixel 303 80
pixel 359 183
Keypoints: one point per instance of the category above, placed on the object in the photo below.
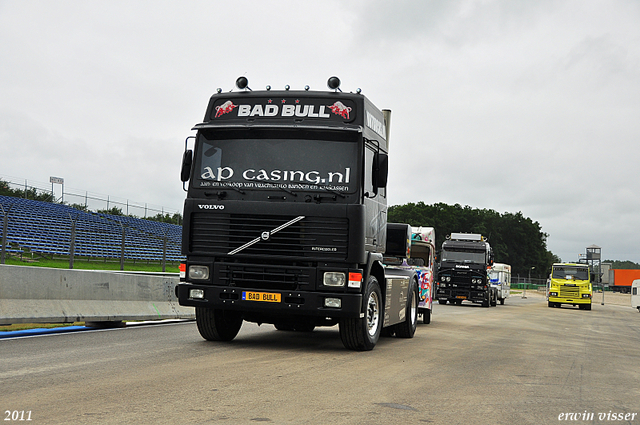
pixel 45 228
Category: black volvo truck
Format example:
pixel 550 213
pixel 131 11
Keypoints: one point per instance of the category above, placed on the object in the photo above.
pixel 285 217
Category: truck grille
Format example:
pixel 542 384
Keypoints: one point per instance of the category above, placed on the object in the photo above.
pixel 262 277
pixel 569 291
pixel 312 237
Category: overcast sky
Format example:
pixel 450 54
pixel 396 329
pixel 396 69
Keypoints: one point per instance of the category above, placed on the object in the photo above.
pixel 530 106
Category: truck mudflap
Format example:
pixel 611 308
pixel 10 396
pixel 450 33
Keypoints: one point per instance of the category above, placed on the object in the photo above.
pixel 327 304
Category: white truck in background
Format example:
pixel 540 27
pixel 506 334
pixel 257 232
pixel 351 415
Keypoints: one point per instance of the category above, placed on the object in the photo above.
pixel 635 294
pixel 500 278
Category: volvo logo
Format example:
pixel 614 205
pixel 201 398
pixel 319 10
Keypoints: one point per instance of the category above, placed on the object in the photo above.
pixel 264 236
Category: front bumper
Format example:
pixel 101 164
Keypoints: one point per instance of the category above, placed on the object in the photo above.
pixel 462 294
pixel 574 301
pixel 303 303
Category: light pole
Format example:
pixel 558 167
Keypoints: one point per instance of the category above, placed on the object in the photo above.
pixel 524 293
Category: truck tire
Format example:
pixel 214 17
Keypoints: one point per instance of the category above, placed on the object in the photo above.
pixel 501 301
pixel 362 334
pixel 494 301
pixel 426 316
pixel 442 301
pixel 218 325
pixel 407 328
pixel 487 301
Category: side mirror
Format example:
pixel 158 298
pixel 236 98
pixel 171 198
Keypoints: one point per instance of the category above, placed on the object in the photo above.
pixel 187 160
pixel 380 170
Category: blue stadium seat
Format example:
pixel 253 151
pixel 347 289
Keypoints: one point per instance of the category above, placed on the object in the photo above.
pixel 45 228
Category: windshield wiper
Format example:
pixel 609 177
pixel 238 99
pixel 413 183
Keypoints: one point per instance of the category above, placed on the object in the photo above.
pixel 335 192
pixel 221 194
pixel 291 192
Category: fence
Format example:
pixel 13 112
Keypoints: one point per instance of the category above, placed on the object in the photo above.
pixel 88 200
pixel 54 229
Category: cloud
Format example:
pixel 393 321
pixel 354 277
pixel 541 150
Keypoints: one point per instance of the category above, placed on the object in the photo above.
pixel 512 106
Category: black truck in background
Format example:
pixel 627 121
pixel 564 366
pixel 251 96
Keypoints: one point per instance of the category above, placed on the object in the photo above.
pixel 462 270
pixel 285 219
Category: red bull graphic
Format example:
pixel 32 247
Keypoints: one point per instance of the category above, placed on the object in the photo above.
pixel 225 108
pixel 341 109
pixel 273 108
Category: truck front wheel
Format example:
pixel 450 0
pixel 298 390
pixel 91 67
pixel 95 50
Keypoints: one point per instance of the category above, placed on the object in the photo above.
pixel 362 334
pixel 218 325
pixel 407 328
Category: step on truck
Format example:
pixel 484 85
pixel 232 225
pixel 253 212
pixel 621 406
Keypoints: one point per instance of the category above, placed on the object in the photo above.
pixel 285 216
pixel 462 270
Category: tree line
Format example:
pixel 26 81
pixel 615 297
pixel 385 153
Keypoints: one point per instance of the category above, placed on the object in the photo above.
pixel 516 240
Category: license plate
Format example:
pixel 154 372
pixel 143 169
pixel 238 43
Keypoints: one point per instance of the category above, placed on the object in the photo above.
pixel 461 297
pixel 269 297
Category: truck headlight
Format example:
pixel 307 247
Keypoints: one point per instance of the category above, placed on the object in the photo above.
pixel 198 272
pixel 586 296
pixel 334 279
pixel 553 294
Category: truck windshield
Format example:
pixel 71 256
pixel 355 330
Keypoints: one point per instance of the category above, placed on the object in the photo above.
pixel 466 256
pixel 568 272
pixel 257 163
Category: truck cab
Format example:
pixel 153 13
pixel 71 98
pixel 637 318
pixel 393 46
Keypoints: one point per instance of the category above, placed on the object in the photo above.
pixel 570 283
pixel 500 279
pixel 412 249
pixel 285 216
pixel 635 294
pixel 462 271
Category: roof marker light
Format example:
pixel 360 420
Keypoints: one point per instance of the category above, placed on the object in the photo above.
pixel 287 87
pixel 268 88
pixel 307 88
pixel 218 90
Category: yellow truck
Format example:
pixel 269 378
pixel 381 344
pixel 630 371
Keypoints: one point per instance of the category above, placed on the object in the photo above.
pixel 570 284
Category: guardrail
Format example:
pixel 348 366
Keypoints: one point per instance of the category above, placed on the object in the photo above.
pixel 45 295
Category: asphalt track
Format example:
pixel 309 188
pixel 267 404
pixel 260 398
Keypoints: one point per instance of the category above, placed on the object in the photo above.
pixel 521 363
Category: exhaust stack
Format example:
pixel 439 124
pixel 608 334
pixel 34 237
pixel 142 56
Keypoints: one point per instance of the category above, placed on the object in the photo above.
pixel 387 124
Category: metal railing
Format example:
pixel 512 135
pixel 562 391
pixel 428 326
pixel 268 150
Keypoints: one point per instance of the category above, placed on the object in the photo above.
pixel 90 201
